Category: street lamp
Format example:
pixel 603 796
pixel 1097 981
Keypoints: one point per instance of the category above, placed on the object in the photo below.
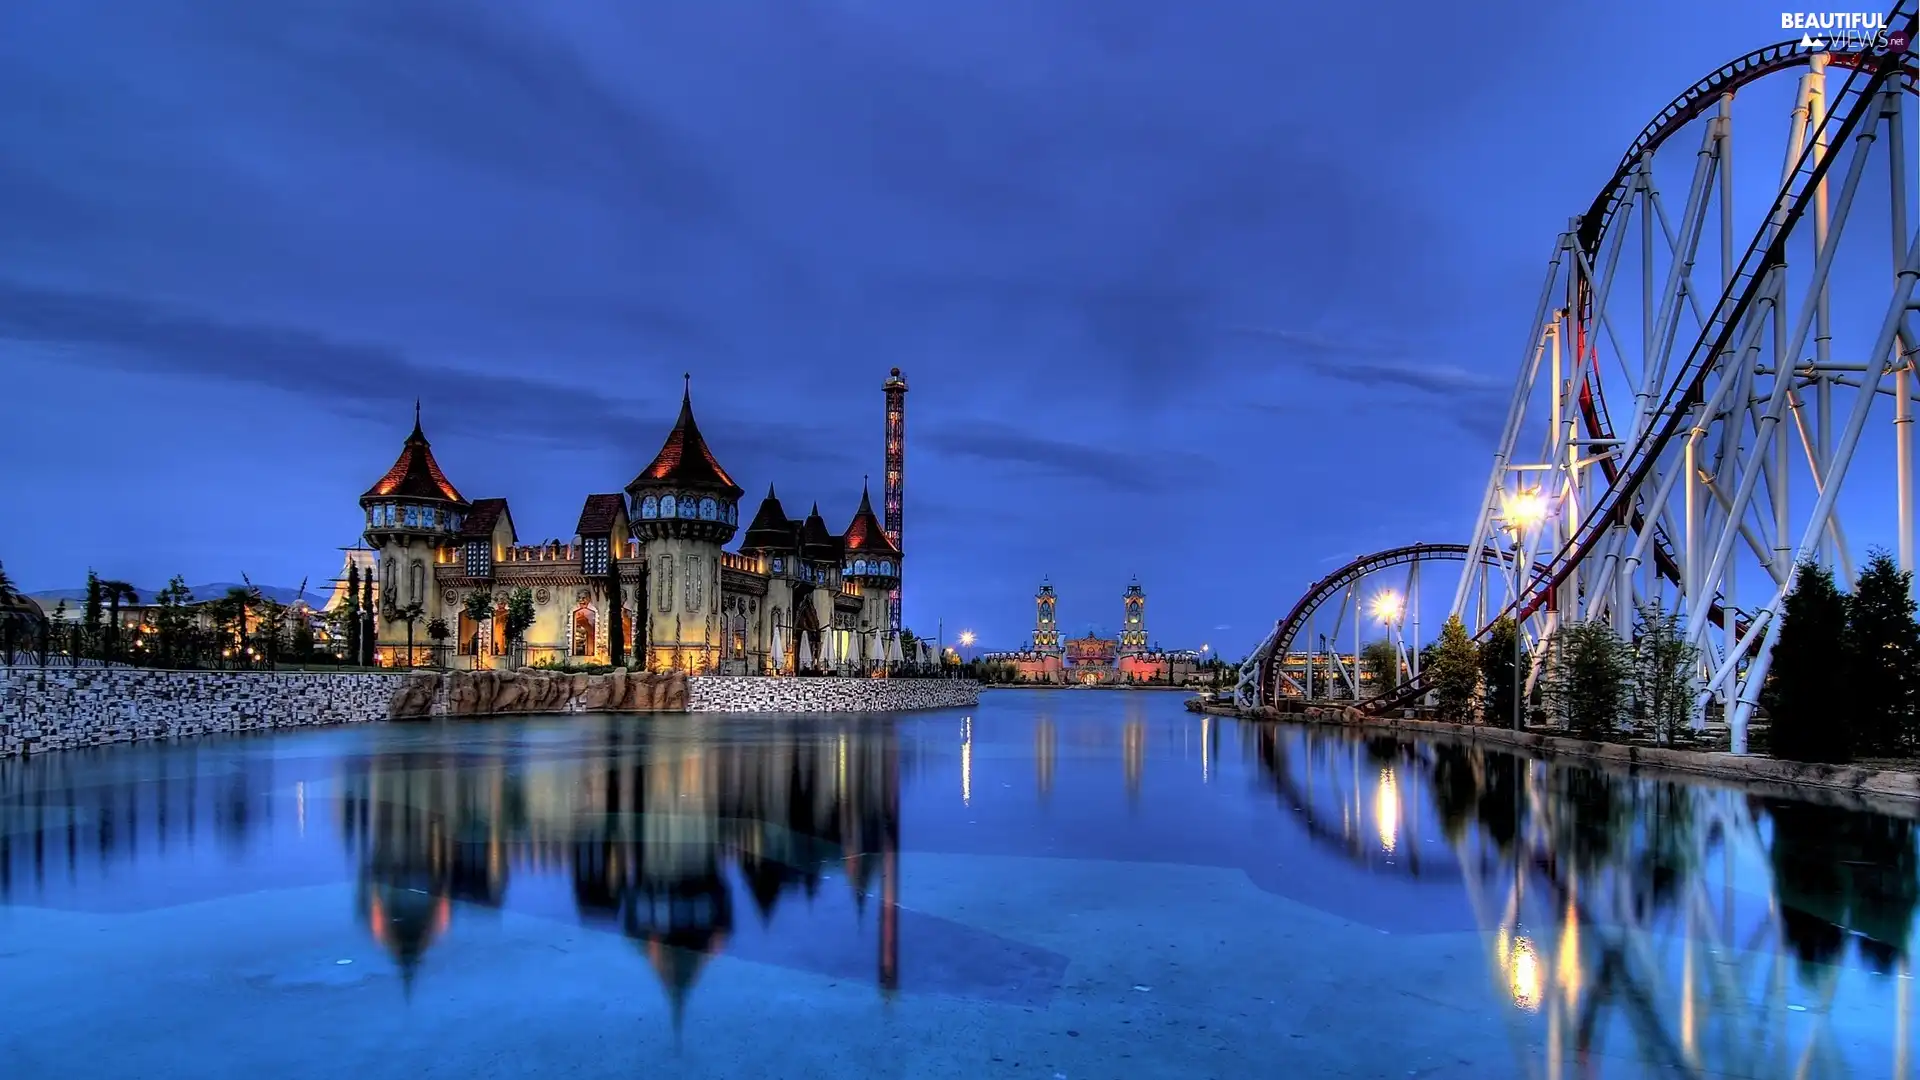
pixel 1522 510
pixel 966 640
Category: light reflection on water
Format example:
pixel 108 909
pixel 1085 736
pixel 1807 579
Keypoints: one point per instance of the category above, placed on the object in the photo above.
pixel 1620 922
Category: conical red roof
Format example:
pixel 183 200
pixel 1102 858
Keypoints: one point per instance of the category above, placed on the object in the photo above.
pixel 415 475
pixel 864 536
pixel 685 459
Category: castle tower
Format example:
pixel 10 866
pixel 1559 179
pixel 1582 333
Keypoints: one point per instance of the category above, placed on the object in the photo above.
pixel 684 508
pixel 896 390
pixel 870 558
pixel 1046 632
pixel 1133 629
pixel 411 514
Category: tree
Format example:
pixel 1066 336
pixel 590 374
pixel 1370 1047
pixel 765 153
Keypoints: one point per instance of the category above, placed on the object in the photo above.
pixel 1454 674
pixel 1500 673
pixel 114 593
pixel 479 608
pixel 172 620
pixel 368 631
pixel 1381 663
pixel 1588 673
pixel 352 616
pixel 411 614
pixel 92 612
pixel 616 610
pixel 1664 664
pixel 1886 658
pixel 439 631
pixel 1809 690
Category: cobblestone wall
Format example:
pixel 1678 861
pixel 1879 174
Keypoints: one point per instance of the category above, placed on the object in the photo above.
pixel 722 693
pixel 60 708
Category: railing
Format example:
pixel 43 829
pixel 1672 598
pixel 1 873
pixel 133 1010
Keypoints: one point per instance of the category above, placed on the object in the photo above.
pixel 550 552
pixel 850 588
pixel 746 564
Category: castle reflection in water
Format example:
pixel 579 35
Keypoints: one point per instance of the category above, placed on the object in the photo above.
pixel 648 823
pixel 1690 918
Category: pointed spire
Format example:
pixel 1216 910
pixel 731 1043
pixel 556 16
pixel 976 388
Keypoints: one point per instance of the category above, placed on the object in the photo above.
pixel 685 457
pixel 415 475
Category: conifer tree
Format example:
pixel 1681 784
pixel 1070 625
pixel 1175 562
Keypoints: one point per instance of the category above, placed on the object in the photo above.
pixel 1663 668
pixel 1454 671
pixel 1886 661
pixel 1588 674
pixel 1808 694
pixel 1499 673
pixel 353 614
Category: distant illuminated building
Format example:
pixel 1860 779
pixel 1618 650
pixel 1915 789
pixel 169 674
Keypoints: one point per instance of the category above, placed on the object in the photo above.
pixel 1094 660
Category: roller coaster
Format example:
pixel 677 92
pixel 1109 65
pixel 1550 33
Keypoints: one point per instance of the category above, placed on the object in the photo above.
pixel 1747 392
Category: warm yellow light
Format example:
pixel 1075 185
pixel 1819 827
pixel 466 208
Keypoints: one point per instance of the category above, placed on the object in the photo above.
pixel 966 638
pixel 1386 606
pixel 1524 508
pixel 1386 810
pixel 1523 975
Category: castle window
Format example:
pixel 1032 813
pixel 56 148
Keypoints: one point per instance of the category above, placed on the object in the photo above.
pixel 479 558
pixel 413 517
pixel 668 508
pixel 886 567
pixel 593 555
pixel 649 508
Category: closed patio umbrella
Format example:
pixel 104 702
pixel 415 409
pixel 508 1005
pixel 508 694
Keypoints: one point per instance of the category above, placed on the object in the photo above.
pixel 806 651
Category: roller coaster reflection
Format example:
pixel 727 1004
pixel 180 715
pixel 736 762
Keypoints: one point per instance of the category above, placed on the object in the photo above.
pixel 1625 907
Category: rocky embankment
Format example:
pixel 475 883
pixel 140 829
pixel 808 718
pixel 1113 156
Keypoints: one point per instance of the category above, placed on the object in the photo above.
pixel 531 690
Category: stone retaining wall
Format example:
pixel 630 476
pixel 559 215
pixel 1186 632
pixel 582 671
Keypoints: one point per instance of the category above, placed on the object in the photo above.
pixel 1885 791
pixel 44 709
pixel 737 693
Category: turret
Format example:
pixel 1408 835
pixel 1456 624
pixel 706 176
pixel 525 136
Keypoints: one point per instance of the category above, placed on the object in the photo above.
pixel 412 514
pixel 414 500
pixel 684 507
pixel 817 543
pixel 868 556
pixel 684 493
pixel 771 533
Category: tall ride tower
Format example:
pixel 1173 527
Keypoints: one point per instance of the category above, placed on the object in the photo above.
pixel 896 390
pixel 1133 632
pixel 1046 632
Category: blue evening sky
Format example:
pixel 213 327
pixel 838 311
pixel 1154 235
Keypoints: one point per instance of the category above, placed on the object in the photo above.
pixel 1216 294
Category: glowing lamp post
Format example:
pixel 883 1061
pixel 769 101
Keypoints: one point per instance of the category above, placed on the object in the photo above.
pixel 1522 511
pixel 966 642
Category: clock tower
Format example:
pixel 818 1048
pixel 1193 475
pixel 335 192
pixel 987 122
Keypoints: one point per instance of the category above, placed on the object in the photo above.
pixel 1046 632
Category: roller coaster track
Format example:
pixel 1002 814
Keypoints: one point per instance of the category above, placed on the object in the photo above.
pixel 1280 642
pixel 1626 468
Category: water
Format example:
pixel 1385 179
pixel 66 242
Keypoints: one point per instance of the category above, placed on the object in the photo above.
pixel 1058 884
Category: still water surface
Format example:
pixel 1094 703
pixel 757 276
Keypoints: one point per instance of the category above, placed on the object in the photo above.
pixel 1057 884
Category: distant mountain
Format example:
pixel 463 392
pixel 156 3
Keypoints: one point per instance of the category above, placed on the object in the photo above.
pixel 283 594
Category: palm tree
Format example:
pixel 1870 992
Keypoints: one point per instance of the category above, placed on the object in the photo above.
pixel 411 614
pixel 114 592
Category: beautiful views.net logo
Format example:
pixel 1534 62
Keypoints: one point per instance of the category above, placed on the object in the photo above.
pixel 1845 31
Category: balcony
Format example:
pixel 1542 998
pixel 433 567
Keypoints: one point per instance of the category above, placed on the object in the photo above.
pixel 745 564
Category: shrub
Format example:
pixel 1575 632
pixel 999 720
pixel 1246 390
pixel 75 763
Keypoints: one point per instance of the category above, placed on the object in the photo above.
pixel 1588 669
pixel 1808 693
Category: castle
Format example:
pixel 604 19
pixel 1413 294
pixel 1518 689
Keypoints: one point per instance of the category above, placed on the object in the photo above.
pixel 795 596
pixel 1093 660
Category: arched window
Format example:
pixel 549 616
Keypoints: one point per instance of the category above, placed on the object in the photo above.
pixel 417 582
pixel 583 631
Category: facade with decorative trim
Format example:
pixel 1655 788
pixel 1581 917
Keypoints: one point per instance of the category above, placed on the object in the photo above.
pixel 651 560
pixel 1093 660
